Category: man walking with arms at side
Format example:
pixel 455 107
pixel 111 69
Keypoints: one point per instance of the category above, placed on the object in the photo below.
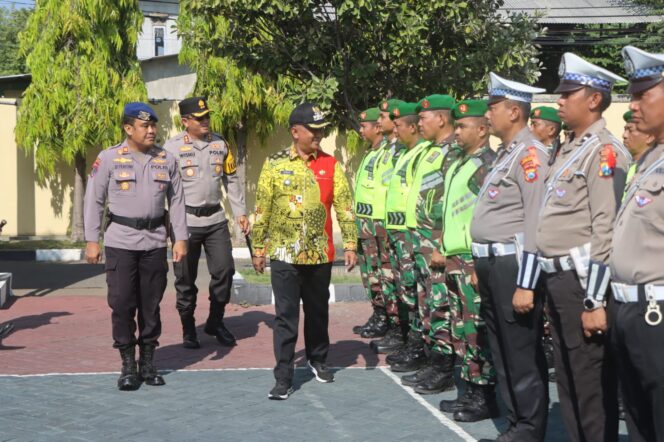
pixel 296 191
pixel 205 161
pixel 136 178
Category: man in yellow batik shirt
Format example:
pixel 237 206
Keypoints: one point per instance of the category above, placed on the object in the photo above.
pixel 293 227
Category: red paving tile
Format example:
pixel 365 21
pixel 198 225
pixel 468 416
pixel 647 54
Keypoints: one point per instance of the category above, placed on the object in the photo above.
pixel 72 334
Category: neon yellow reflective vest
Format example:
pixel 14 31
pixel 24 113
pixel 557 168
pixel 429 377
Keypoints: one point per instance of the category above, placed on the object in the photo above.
pixel 462 184
pixel 389 152
pixel 365 183
pixel 396 203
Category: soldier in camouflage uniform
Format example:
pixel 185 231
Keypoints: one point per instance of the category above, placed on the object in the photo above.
pixel 391 150
pixel 365 183
pixel 424 220
pixel 469 336
pixel 396 206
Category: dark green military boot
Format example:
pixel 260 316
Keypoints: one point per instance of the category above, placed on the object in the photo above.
pixel 148 370
pixel 128 379
pixel 442 376
pixel 482 405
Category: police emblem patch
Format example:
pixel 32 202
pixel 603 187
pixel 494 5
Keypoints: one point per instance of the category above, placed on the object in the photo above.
pixel 607 161
pixel 145 116
pixel 537 113
pixel 426 104
pixel 642 201
pixel 493 193
pixel 396 112
pixel 560 192
pixel 463 108
pixel 201 104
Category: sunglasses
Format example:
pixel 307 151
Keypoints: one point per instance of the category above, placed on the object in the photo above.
pixel 203 118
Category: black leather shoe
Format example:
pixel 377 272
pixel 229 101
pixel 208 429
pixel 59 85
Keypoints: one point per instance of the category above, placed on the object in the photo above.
pixel 148 371
pixel 223 335
pixel 482 406
pixel 128 380
pixel 189 337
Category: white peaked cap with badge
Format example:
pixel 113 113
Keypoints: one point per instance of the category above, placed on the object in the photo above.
pixel 644 69
pixel 575 73
pixel 501 89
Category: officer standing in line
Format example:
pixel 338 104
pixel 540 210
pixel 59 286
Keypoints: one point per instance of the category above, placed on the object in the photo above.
pixel 635 141
pixel 391 150
pixel 368 250
pixel 463 181
pixel 583 189
pixel 296 191
pixel 400 239
pixel 637 330
pixel 503 232
pixel 136 178
pixel 545 125
pixel 426 224
pixel 205 161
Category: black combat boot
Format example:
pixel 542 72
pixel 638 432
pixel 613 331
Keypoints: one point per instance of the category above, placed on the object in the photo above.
pixel 128 379
pixel 215 325
pixel 450 406
pixel 442 377
pixel 482 406
pixel 358 328
pixel 148 370
pixel 379 326
pixel 391 343
pixel 410 380
pixel 189 338
pixel 414 357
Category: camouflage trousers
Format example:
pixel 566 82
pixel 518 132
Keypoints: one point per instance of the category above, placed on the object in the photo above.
pixel 369 260
pixel 403 265
pixel 468 330
pixel 432 297
pixel 387 282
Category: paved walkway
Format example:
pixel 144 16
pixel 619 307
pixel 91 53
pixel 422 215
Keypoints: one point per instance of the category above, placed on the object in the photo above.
pixel 58 373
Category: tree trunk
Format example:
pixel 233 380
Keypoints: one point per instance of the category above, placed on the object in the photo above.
pixel 77 230
pixel 241 138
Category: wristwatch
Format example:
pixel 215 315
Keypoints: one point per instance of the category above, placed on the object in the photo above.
pixel 592 304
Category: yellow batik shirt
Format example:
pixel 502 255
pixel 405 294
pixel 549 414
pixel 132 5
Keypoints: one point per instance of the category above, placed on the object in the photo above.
pixel 293 208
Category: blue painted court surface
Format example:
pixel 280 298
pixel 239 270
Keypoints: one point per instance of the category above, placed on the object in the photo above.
pixel 232 405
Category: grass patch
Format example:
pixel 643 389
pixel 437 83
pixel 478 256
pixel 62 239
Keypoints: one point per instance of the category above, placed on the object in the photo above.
pixel 252 278
pixel 41 244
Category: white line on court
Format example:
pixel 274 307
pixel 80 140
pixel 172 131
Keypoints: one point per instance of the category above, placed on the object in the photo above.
pixel 166 370
pixel 433 410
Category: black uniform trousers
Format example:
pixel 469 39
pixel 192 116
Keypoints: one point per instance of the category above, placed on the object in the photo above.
pixel 216 240
pixel 136 282
pixel 516 348
pixel 638 349
pixel 311 284
pixel 585 373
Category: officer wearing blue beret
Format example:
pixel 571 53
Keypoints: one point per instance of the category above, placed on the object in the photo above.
pixel 135 178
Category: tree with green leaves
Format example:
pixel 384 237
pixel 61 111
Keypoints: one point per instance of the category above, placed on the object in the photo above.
pixel 241 100
pixel 12 21
pixel 82 56
pixel 349 54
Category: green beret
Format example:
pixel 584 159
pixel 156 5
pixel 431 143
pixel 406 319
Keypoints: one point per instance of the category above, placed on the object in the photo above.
pixel 545 113
pixel 403 109
pixel 435 102
pixel 370 115
pixel 469 108
pixel 389 105
pixel 627 116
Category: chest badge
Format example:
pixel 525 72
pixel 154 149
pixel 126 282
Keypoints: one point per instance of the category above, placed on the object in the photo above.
pixel 287 182
pixel 493 193
pixel 321 172
pixel 217 169
pixel 560 192
pixel 124 185
pixel 190 172
pixel 642 201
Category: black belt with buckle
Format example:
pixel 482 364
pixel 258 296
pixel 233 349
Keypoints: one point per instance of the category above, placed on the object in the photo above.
pixel 203 210
pixel 137 223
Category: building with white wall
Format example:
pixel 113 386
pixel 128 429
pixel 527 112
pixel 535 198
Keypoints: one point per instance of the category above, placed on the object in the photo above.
pixel 158 36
